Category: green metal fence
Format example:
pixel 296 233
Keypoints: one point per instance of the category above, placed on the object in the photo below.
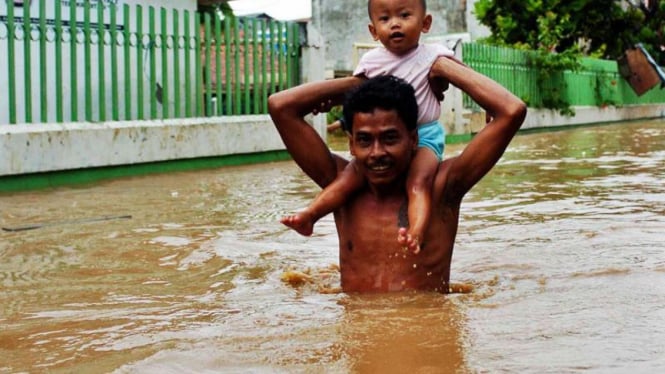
pixel 597 83
pixel 91 60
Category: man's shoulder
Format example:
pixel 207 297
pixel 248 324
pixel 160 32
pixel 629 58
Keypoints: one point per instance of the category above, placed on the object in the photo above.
pixel 444 189
pixel 444 167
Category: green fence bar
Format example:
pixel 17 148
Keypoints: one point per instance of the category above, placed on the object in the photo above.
pixel 255 66
pixel 127 71
pixel 176 63
pixel 295 55
pixel 43 78
pixel 264 65
pixel 11 63
pixel 101 62
pixel 198 77
pixel 73 66
pixel 88 61
pixel 27 73
pixel 227 67
pixel 87 32
pixel 246 66
pixel 218 66
pixel 274 49
pixel 59 113
pixel 152 62
pixel 206 66
pixel 283 42
pixel 140 101
pixel 188 52
pixel 289 54
pixel 113 23
pixel 236 66
pixel 165 65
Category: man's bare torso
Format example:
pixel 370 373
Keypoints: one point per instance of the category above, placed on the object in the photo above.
pixel 371 260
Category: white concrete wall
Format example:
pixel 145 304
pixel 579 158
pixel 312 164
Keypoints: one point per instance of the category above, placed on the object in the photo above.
pixel 54 147
pixel 544 118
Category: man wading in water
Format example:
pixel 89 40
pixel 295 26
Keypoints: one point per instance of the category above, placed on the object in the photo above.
pixel 380 118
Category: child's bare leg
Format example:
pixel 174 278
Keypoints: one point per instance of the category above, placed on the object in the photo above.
pixel 419 191
pixel 331 198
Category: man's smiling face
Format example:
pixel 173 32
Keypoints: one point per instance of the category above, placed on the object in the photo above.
pixel 382 146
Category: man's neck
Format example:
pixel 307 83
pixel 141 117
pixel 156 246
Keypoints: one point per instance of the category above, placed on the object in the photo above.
pixel 383 192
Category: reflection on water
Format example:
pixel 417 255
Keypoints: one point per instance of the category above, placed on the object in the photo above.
pixel 562 244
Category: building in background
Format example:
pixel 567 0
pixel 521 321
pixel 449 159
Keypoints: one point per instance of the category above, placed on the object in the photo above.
pixel 343 27
pixel 283 10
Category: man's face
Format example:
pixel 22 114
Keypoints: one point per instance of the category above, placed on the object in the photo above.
pixel 398 23
pixel 382 146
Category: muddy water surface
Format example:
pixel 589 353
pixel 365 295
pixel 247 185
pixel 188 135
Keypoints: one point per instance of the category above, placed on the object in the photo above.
pixel 563 244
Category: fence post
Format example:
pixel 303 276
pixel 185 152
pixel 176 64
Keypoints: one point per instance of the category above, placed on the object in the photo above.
pixel 11 64
pixel 452 108
pixel 313 68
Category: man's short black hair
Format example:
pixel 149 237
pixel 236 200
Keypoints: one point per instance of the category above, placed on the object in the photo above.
pixel 369 4
pixel 383 92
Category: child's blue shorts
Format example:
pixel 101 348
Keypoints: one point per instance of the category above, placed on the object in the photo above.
pixel 433 136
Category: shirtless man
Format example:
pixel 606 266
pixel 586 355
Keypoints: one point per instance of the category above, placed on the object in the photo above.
pixel 383 140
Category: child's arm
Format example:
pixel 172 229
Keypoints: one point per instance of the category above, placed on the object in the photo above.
pixel 437 81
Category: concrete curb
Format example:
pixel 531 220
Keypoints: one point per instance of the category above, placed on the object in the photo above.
pixel 54 147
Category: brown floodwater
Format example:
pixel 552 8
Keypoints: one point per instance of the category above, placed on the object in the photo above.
pixel 563 245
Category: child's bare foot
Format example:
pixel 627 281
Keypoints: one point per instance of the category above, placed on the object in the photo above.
pixel 300 222
pixel 408 241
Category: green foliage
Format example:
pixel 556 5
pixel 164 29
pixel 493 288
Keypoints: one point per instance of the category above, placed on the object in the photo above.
pixel 220 9
pixel 550 67
pixel 334 114
pixel 562 31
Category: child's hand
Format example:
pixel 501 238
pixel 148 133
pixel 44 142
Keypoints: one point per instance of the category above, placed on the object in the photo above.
pixel 438 85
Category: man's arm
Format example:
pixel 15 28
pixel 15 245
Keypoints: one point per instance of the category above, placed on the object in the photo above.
pixel 288 109
pixel 507 112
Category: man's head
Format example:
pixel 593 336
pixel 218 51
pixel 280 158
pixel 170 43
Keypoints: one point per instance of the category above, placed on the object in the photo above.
pixel 384 92
pixel 397 24
pixel 380 117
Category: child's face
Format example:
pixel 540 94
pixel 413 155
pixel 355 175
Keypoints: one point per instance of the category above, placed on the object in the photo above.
pixel 397 24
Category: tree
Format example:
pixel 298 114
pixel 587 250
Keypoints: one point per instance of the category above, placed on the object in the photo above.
pixel 216 8
pixel 602 29
pixel 562 31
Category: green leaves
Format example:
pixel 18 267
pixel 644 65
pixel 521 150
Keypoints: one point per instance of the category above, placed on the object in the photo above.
pixel 595 27
pixel 562 31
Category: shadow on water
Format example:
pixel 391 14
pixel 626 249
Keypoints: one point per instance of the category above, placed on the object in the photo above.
pixel 561 243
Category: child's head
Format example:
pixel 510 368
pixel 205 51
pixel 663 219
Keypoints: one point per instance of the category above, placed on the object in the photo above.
pixel 382 92
pixel 397 24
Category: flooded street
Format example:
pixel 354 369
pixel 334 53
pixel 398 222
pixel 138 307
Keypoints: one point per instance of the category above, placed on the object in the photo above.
pixel 563 244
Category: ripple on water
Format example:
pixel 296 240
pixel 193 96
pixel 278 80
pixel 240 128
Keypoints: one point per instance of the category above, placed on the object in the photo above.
pixel 561 244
